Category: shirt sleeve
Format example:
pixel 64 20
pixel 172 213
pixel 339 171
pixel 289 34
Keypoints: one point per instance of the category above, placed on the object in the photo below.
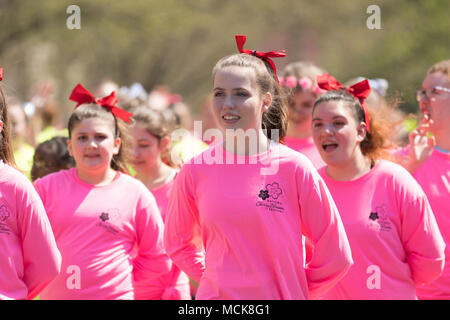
pixel 420 233
pixel 331 255
pixel 182 237
pixel 151 266
pixel 41 257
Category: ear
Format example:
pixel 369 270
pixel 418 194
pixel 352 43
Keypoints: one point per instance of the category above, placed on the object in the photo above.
pixel 362 132
pixel 117 144
pixel 1 126
pixel 164 143
pixel 69 145
pixel 267 101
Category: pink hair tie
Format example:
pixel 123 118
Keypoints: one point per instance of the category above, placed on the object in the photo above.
pixel 317 90
pixel 305 83
pixel 291 82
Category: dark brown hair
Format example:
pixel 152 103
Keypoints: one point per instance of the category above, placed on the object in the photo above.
pixel 374 144
pixel 6 150
pixel 275 118
pixel 51 156
pixel 118 127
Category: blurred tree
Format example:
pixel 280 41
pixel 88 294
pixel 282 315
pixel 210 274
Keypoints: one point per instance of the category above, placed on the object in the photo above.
pixel 177 42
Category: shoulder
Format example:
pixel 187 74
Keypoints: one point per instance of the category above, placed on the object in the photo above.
pixel 133 186
pixel 61 177
pixel 11 177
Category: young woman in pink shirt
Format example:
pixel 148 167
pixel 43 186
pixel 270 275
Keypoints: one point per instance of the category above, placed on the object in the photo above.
pixel 430 159
pixel 396 244
pixel 29 258
pixel 150 133
pixel 237 212
pixel 299 83
pixel 106 223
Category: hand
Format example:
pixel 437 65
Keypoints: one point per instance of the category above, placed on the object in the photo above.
pixel 42 94
pixel 421 146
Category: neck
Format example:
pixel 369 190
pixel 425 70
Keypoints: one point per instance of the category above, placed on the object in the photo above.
pixel 352 169
pixel 300 130
pixel 101 178
pixel 247 145
pixel 443 140
pixel 155 177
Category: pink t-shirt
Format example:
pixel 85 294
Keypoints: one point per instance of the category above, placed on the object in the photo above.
pixel 96 228
pixel 395 240
pixel 179 287
pixel 434 177
pixel 308 148
pixel 237 228
pixel 29 258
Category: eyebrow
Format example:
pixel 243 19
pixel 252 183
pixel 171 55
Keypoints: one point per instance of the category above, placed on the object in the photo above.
pixel 335 117
pixel 234 89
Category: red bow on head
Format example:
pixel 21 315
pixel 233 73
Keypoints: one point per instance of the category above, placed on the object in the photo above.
pixel 1 74
pixel 360 90
pixel 81 96
pixel 240 41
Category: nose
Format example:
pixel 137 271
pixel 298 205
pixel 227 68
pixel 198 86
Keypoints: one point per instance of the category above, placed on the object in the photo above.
pixel 327 130
pixel 92 144
pixel 228 102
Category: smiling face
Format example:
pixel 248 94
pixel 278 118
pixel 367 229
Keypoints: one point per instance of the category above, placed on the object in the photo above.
pixel 438 104
pixel 336 132
pixel 237 100
pixel 92 144
pixel 147 149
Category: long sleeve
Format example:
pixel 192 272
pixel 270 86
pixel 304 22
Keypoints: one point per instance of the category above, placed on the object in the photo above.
pixel 151 266
pixel 421 237
pixel 182 235
pixel 41 257
pixel 322 225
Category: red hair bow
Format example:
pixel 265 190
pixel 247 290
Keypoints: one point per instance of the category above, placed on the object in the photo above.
pixel 81 96
pixel 360 90
pixel 1 74
pixel 240 41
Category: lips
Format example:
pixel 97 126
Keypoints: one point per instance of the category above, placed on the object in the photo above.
pixel 329 146
pixel 230 118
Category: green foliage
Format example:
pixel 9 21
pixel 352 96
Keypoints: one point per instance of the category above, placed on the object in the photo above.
pixel 177 42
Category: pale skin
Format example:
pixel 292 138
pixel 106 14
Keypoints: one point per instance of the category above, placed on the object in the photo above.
pixel 300 114
pixel 435 118
pixel 92 144
pixel 147 149
pixel 338 136
pixel 239 104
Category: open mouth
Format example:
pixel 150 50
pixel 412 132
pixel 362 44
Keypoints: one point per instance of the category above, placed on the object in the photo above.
pixel 329 146
pixel 230 118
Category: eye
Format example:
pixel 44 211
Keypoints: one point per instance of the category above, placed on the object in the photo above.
pixel 81 138
pixel 242 93
pixel 434 90
pixel 339 123
pixel 219 93
pixel 317 124
pixel 306 105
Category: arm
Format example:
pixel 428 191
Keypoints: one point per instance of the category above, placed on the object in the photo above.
pixel 41 257
pixel 182 235
pixel 151 266
pixel 322 225
pixel 420 234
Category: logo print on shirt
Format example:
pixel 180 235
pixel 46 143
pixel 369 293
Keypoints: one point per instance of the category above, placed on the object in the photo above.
pixel 264 194
pixel 107 218
pixel 271 193
pixel 379 219
pixel 4 214
pixel 104 216
pixel 373 216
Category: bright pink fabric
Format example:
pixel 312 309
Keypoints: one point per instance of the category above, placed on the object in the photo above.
pixel 96 229
pixel 179 287
pixel 308 148
pixel 434 177
pixel 237 228
pixel 29 258
pixel 395 240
